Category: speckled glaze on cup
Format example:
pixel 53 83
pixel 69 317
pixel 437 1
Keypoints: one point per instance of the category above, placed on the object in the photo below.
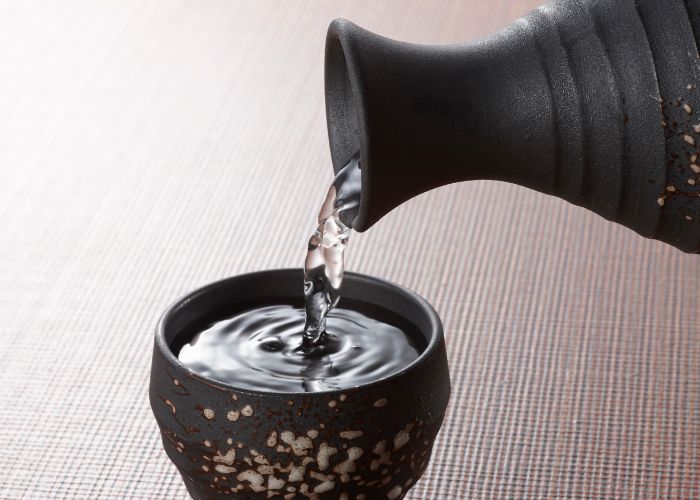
pixel 368 442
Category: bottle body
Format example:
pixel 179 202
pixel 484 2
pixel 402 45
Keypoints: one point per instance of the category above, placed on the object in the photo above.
pixel 592 101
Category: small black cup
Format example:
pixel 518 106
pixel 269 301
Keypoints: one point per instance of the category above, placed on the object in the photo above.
pixel 368 442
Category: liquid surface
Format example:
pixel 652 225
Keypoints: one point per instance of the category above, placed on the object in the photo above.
pixel 261 349
pixel 323 267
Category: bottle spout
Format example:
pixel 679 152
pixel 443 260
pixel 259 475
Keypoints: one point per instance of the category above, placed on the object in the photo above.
pixel 344 108
pixel 373 85
pixel 422 116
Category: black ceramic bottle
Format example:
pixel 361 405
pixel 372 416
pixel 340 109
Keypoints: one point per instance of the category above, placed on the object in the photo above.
pixel 593 101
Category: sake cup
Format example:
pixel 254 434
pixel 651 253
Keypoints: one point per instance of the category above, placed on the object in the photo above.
pixel 372 441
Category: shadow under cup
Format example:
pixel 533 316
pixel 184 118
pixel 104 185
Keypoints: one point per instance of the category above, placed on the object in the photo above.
pixel 368 442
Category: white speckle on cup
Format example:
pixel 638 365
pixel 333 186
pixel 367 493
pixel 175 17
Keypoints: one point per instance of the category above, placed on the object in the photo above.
pixel 350 434
pixel 394 492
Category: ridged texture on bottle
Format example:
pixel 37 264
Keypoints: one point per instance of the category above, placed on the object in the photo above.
pixel 623 78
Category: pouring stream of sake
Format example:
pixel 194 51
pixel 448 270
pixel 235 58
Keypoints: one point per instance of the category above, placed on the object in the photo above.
pixel 323 268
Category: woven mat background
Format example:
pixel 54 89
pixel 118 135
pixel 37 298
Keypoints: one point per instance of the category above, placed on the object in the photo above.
pixel 147 148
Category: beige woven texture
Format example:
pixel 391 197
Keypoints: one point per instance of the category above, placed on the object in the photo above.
pixel 147 148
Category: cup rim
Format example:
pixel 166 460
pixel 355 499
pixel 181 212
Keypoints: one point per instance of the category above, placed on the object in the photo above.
pixel 436 334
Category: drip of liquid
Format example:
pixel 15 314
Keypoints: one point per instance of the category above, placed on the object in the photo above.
pixel 323 268
pixel 259 348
